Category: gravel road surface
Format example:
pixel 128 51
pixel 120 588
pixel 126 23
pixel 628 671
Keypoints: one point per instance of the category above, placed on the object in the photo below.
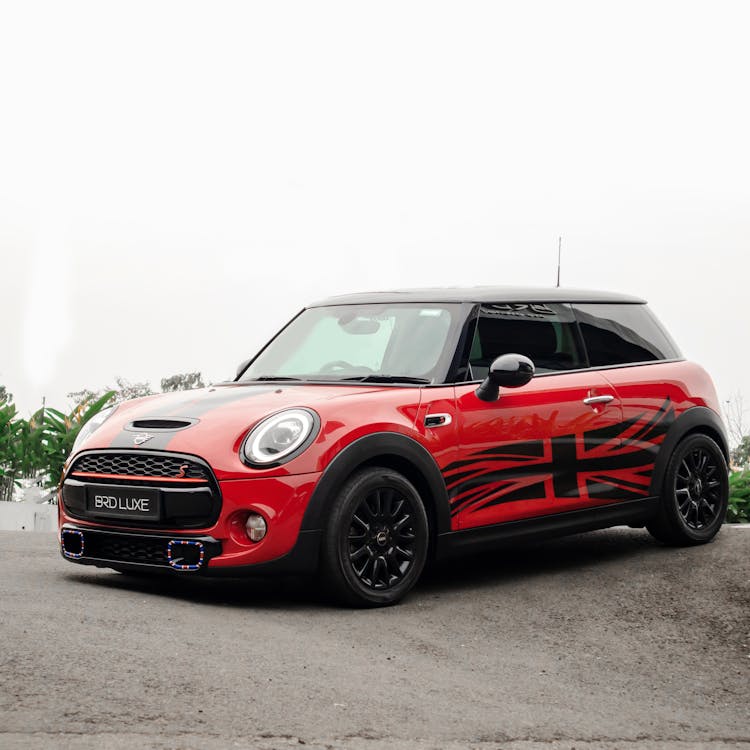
pixel 605 640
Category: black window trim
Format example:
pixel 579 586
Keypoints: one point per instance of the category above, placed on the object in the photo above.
pixel 473 317
pixel 555 373
pixel 460 359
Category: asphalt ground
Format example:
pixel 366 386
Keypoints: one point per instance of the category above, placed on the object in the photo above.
pixel 604 640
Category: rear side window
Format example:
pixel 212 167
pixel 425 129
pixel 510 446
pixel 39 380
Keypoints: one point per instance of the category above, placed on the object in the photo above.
pixel 546 334
pixel 623 334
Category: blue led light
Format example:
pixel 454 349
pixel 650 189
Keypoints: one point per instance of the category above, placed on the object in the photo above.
pixel 191 542
pixel 71 555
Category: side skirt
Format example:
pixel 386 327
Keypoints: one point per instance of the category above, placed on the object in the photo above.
pixel 630 512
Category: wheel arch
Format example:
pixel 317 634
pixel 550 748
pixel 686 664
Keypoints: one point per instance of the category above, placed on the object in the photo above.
pixel 394 451
pixel 696 420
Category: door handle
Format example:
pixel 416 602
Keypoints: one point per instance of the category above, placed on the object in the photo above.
pixel 592 400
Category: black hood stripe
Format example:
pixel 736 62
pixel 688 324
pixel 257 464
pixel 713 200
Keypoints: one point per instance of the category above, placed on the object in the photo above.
pixel 196 404
pixel 157 442
pixel 193 406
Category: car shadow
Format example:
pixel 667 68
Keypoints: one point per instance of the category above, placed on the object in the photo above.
pixel 515 562
pixel 512 563
pixel 267 593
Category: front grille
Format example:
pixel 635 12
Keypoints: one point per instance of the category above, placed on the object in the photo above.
pixel 183 487
pixel 128 549
pixel 140 465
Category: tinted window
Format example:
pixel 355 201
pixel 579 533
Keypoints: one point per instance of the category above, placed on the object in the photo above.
pixel 546 334
pixel 621 334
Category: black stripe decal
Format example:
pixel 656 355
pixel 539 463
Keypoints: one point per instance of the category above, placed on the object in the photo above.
pixel 605 461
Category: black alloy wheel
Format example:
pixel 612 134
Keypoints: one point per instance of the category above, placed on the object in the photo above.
pixel 382 538
pixel 377 538
pixel 695 493
pixel 698 489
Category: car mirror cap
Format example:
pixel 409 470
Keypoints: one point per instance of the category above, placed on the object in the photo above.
pixel 507 371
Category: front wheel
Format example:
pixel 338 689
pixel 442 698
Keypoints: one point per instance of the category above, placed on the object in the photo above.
pixel 695 494
pixel 376 539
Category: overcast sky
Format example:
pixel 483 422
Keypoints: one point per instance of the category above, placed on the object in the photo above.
pixel 178 179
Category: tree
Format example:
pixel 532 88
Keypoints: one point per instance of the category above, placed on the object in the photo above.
pixel 78 397
pixel 735 413
pixel 125 390
pixel 182 382
pixel 738 429
pixel 740 454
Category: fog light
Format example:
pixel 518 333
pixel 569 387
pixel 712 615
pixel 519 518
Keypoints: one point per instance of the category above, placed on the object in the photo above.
pixel 256 527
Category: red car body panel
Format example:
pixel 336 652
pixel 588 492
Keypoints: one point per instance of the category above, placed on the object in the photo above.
pixel 549 413
pixel 280 494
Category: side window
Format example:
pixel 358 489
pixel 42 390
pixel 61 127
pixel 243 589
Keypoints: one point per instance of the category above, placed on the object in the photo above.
pixel 623 334
pixel 546 334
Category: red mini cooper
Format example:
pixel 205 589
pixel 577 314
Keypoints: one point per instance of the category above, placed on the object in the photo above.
pixel 376 431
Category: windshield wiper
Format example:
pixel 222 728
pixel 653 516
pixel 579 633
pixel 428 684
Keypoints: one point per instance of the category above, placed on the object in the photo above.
pixel 375 378
pixel 271 377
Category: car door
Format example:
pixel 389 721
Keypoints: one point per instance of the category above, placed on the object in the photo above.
pixel 542 448
pixel 641 361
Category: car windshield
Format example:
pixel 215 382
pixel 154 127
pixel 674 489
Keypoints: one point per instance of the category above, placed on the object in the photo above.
pixel 367 343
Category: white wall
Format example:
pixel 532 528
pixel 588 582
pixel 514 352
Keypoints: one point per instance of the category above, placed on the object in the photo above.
pixel 27 517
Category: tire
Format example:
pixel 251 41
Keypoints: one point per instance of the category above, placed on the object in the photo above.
pixel 694 495
pixel 376 539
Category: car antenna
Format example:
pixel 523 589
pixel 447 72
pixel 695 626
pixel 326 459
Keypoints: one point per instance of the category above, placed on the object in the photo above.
pixel 559 255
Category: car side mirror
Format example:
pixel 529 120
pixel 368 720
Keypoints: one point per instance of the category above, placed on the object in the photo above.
pixel 508 371
pixel 241 367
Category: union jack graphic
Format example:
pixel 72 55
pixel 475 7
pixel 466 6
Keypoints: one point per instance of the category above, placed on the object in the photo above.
pixel 610 463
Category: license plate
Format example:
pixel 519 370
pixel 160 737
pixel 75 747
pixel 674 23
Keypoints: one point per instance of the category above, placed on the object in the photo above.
pixel 123 502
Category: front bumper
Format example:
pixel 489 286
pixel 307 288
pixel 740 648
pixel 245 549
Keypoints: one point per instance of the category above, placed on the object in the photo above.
pixel 221 549
pixel 91 546
pixel 133 552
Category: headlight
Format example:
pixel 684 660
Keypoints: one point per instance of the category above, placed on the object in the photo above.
pixel 280 437
pixel 92 425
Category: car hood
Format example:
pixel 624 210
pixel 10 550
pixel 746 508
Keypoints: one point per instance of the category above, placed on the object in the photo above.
pixel 215 419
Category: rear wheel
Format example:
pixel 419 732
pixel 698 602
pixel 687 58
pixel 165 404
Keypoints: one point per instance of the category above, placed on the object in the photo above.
pixel 694 495
pixel 376 539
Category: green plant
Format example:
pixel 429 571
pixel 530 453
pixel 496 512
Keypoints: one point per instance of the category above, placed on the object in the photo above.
pixel 9 451
pixel 61 430
pixel 739 497
pixel 21 448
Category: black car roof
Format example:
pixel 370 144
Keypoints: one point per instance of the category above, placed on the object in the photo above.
pixel 480 294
